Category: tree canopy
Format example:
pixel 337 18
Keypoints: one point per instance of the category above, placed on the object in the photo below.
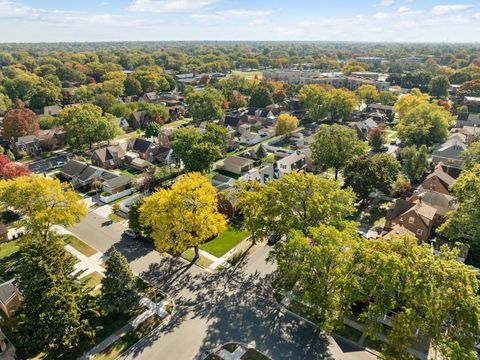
pixel 19 122
pixel 205 105
pixel 286 124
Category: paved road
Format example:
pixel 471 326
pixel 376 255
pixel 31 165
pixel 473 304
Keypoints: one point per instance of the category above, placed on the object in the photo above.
pixel 212 309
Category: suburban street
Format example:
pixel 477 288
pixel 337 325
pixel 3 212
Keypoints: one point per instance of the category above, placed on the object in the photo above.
pixel 214 308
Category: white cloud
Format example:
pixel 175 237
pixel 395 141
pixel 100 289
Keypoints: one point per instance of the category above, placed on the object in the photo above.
pixel 381 16
pixel 169 6
pixel 448 9
pixel 476 16
pixel 403 9
pixel 244 12
pixel 387 2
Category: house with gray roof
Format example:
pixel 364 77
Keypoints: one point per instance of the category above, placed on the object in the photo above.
pixel 449 153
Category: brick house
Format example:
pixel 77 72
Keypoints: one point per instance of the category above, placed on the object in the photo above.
pixel 417 217
pixel 110 157
pixel 438 181
pixel 10 297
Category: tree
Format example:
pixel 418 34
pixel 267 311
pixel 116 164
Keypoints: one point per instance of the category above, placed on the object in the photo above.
pixel 471 156
pixel 261 97
pixel 334 146
pixel 184 216
pixel 439 86
pixel 376 138
pixel 236 100
pixel 296 201
pixel 105 101
pixel 85 125
pixel 151 81
pixel 205 105
pixel 414 161
pixel 56 312
pixel 42 202
pixel 433 293
pixel 46 122
pixel 133 86
pixel 45 93
pixel 368 93
pixel 261 152
pixel 5 104
pixel 470 88
pixel 365 174
pixel 119 285
pixel 286 124
pixel 157 112
pixel 18 123
pixel 318 271
pixel 463 224
pixel 406 103
pixel 341 103
pixel 315 100
pixel 386 97
pixel 153 129
pixel 9 170
pixel 425 124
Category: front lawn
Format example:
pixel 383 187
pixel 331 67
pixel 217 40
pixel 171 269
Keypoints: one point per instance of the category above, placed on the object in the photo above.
pixel 227 239
pixel 9 255
pixel 129 339
pixel 79 245
pixel 115 217
pixel 202 261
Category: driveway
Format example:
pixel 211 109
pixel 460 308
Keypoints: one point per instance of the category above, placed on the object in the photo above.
pixel 214 308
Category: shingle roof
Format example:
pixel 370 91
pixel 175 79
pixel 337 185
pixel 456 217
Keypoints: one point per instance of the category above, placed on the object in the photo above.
pixel 141 145
pixel 231 121
pixel 239 161
pixel 442 175
pixel 75 168
pixel 7 290
pixel 119 181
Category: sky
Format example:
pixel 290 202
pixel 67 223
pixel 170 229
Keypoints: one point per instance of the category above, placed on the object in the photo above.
pixel 311 20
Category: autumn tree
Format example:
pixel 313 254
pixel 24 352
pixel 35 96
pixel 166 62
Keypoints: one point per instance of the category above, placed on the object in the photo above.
pixel 56 311
pixel 376 138
pixel 5 104
pixel 368 93
pixel 236 100
pixel 341 103
pixel 365 174
pixel 334 146
pixel 18 123
pixel 424 124
pixel 386 97
pixel 463 224
pixel 9 170
pixel 471 156
pixel 286 124
pixel 42 202
pixel 184 216
pixel 414 161
pixel 85 125
pixel 406 103
pixel 119 285
pixel 315 100
pixel 205 105
pixel 470 88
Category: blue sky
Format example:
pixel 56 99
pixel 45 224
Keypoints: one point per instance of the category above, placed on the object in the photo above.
pixel 347 20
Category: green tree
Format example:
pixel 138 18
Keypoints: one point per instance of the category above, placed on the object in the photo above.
pixel 105 101
pixel 184 216
pixel 407 102
pixel 260 97
pixel 414 161
pixel 56 312
pixel 341 103
pixel 376 138
pixel 151 81
pixel 119 285
pixel 424 124
pixel 85 125
pixel 439 86
pixel 386 97
pixel 315 100
pixel 5 104
pixel 261 152
pixel 334 146
pixel 236 100
pixel 133 86
pixel 45 93
pixel 205 105
pixel 463 224
pixel 365 174
pixel 471 156
pixel 153 130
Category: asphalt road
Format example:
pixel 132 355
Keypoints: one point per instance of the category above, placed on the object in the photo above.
pixel 234 305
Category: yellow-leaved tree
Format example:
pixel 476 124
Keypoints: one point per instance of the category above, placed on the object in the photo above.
pixel 286 124
pixel 184 216
pixel 42 202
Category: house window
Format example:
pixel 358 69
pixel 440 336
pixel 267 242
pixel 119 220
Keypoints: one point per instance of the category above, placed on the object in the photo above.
pixel 411 220
pixel 419 231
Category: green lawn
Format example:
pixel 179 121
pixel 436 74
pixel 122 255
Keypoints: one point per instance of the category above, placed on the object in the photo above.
pixel 92 280
pixel 227 239
pixel 177 122
pixel 9 255
pixel 129 339
pixel 79 245
pixel 115 217
pixel 189 255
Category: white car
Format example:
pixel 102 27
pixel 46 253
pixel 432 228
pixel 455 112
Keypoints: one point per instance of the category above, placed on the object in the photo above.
pixel 132 233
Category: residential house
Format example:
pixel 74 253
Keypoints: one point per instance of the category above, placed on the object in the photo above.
pixel 222 182
pixel 233 121
pixel 151 97
pixel 10 298
pixel 7 350
pixel 449 153
pixel 80 174
pixel 237 165
pixel 30 144
pixel 442 203
pixel 110 157
pixel 292 162
pixel 418 217
pixel 472 102
pixel 438 181
pixel 123 123
pixel 52 110
pixel 363 127
pixel 397 230
pixel 385 109
pixel 139 120
pixel 52 139
pixel 117 184
pixel 468 119
pixel 263 174
pixel 471 133
pixel 145 149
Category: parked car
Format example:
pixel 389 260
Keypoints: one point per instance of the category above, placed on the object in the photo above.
pixel 132 233
pixel 393 142
pixel 273 239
